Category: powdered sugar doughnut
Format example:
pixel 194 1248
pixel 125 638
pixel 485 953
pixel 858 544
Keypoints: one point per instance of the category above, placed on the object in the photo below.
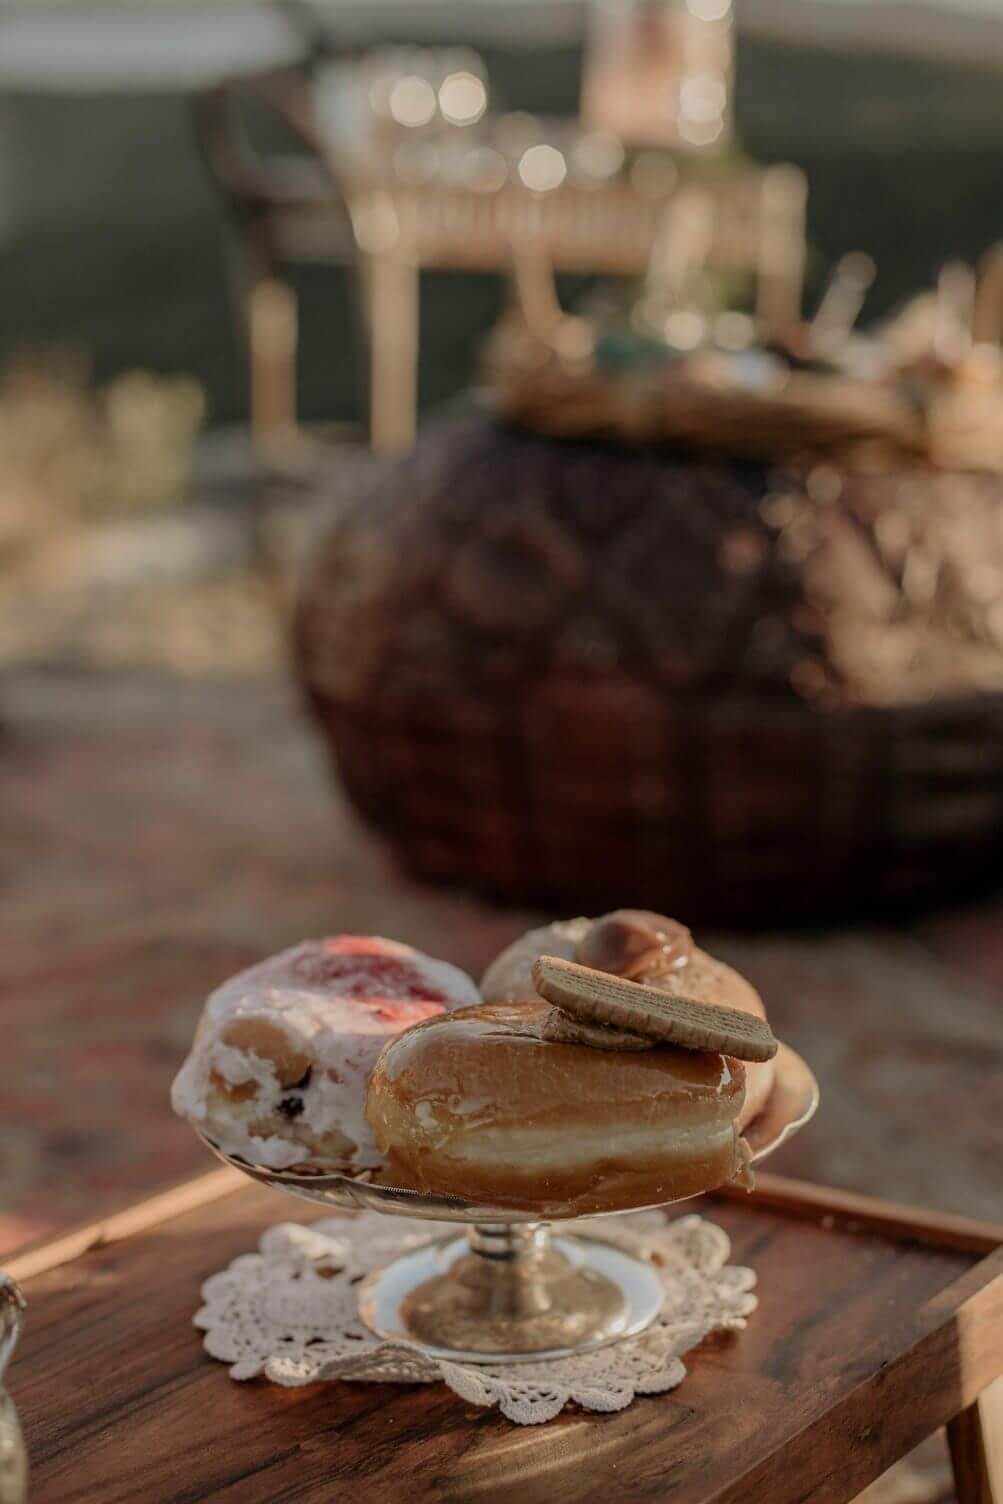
pixel 278 1069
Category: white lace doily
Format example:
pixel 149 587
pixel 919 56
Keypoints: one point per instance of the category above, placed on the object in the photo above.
pixel 290 1312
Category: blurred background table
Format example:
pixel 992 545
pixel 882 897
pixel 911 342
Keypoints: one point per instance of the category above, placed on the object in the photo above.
pixel 97 151
pixel 407 164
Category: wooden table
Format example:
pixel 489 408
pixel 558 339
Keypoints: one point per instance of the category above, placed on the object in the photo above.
pixel 609 230
pixel 876 1325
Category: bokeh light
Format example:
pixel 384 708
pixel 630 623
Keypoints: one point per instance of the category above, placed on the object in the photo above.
pixel 486 169
pixel 701 132
pixel 734 330
pixel 462 98
pixel 709 10
pixel 412 101
pixel 685 329
pixel 598 155
pixel 542 168
pixel 703 97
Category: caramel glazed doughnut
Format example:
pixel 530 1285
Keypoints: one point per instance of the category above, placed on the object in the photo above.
pixel 483 1104
pixel 645 948
pixel 278 1069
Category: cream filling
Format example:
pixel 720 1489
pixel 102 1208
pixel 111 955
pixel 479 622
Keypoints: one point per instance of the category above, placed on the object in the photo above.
pixel 274 1152
pixel 330 1112
pixel 522 1149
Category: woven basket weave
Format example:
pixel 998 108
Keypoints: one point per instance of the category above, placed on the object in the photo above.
pixel 585 674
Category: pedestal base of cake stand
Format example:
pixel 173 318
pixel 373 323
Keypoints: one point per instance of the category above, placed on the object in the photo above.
pixel 511 1293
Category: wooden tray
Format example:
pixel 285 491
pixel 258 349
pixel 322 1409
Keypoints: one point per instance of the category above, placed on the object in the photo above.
pixel 876 1325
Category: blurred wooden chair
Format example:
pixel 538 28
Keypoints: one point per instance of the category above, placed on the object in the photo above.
pixel 327 208
pixel 284 207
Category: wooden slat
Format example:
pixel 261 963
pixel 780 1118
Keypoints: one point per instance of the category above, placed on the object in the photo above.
pixel 175 1202
pixel 798 1198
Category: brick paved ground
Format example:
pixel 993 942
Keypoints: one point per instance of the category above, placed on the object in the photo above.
pixel 159 833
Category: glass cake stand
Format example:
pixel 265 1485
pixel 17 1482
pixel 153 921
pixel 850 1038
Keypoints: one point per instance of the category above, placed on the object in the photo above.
pixel 508 1290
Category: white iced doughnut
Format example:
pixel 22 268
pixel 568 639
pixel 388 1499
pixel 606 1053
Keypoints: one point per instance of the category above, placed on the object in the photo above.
pixel 278 1069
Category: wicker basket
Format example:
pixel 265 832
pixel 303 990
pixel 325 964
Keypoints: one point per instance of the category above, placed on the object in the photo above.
pixel 587 674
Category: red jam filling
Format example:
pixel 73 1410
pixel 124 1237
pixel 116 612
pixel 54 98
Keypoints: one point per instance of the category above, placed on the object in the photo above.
pixel 360 969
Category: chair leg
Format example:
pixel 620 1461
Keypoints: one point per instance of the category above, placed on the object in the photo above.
pixel 780 263
pixel 975 1439
pixel 391 291
pixel 264 308
pixel 272 340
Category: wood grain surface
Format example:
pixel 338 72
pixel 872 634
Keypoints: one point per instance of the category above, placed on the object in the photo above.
pixel 864 1342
